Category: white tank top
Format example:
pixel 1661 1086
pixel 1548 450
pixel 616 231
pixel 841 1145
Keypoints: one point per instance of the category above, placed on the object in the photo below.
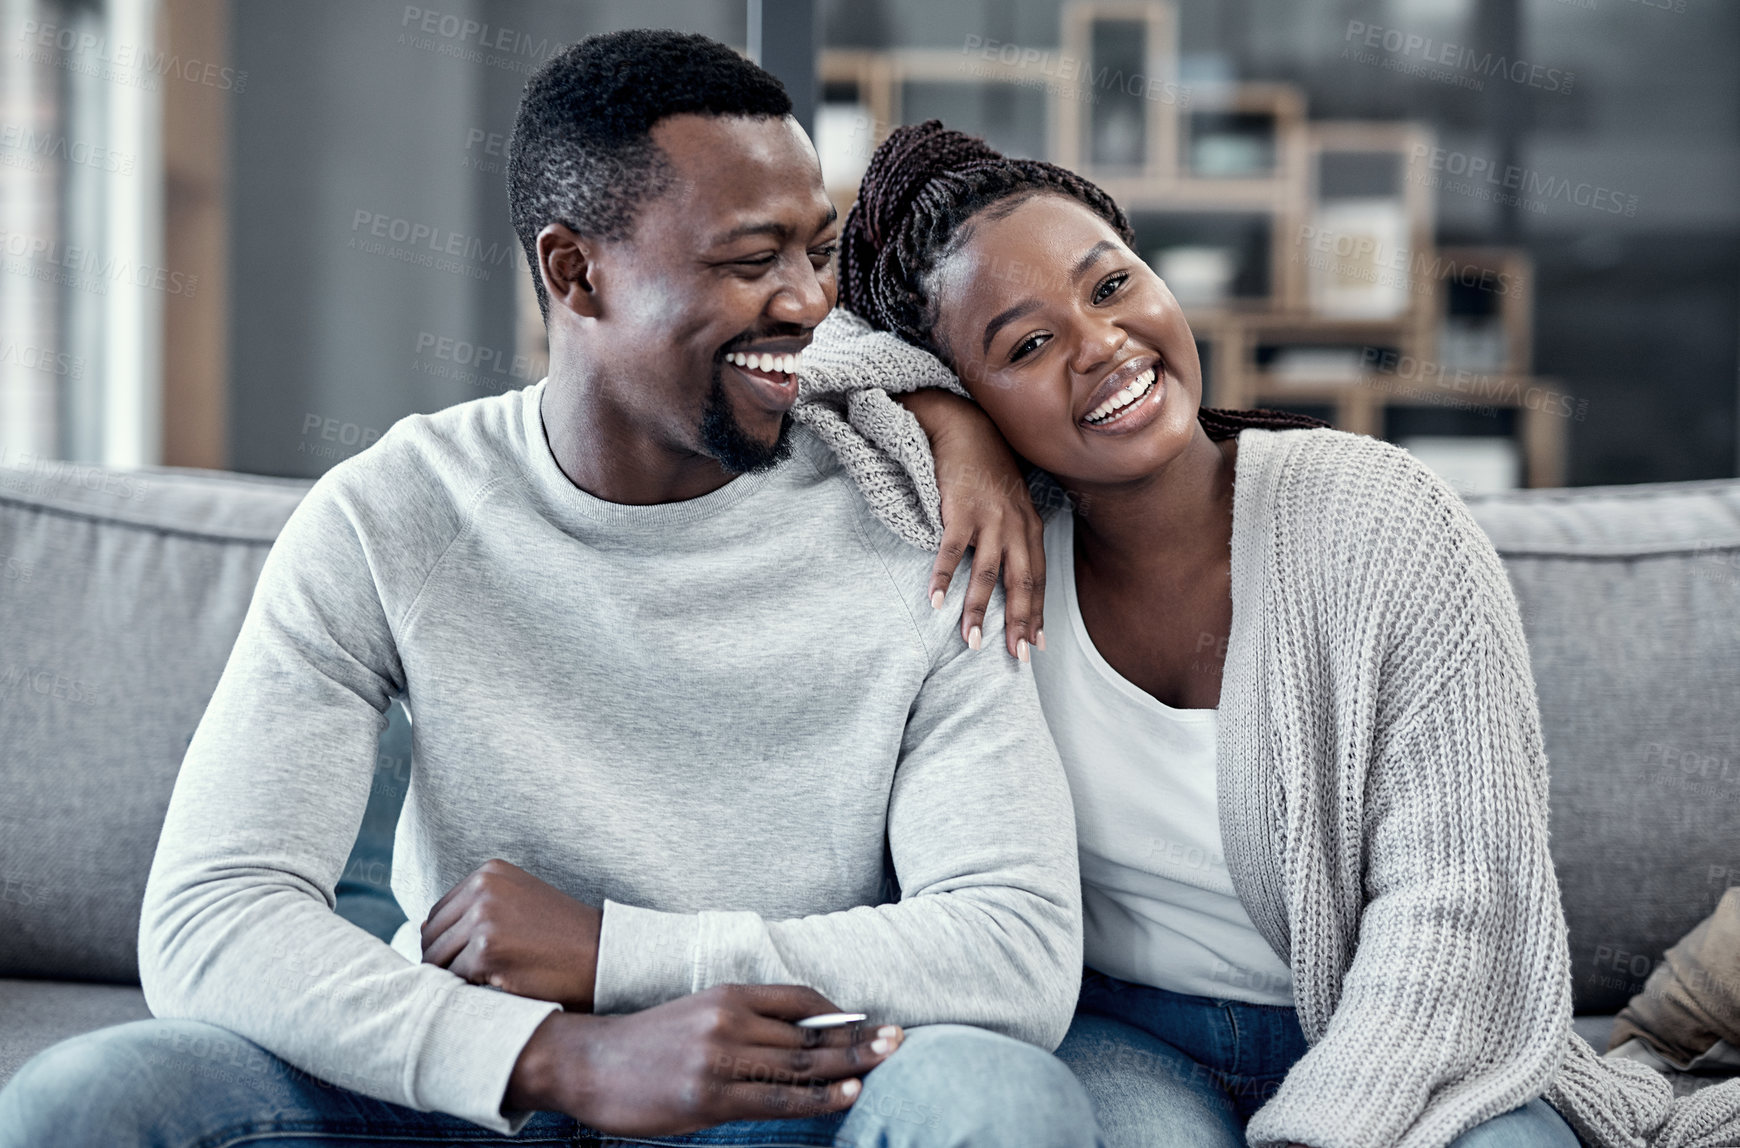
pixel 1159 904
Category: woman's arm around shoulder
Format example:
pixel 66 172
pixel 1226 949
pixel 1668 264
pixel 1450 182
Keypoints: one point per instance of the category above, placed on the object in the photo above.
pixel 986 506
pixel 954 485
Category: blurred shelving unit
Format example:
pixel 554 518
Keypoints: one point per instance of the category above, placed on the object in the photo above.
pixel 1301 250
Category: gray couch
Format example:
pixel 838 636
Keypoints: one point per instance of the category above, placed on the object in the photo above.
pixel 122 592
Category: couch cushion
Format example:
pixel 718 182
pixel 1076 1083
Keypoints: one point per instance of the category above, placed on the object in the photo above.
pixel 1631 600
pixel 120 597
pixel 40 1013
pixel 1594 1028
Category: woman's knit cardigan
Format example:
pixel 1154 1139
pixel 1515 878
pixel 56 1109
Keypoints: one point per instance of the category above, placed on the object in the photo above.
pixel 1383 787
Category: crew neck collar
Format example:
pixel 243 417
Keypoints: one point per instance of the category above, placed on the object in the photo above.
pixel 567 499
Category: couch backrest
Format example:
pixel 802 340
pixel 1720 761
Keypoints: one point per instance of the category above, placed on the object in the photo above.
pixel 120 596
pixel 1631 600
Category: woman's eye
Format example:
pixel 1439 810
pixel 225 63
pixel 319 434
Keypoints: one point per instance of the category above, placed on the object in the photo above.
pixel 1026 347
pixel 754 261
pixel 1109 286
pixel 821 256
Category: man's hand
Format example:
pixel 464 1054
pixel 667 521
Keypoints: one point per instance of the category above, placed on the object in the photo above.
pixel 502 926
pixel 729 1053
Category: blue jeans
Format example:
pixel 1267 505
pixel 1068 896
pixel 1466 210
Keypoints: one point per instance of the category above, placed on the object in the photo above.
pixel 1165 1069
pixel 185 1084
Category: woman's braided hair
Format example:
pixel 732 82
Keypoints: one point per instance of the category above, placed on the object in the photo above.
pixel 922 186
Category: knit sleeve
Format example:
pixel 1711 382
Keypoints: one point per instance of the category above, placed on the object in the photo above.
pixel 1454 1004
pixel 1456 1007
pixel 845 378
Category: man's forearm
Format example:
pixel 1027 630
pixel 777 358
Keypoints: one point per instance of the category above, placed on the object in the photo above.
pixel 533 1087
pixel 555 1070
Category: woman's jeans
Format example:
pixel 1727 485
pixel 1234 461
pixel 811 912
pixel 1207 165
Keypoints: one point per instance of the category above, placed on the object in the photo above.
pixel 1165 1069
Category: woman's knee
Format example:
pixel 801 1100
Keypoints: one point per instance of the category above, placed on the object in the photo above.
pixel 1535 1125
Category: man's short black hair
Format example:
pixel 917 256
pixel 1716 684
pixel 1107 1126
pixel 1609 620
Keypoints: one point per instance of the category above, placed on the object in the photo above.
pixel 581 153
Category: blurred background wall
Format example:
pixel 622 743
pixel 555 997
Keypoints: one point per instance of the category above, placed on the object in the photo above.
pixel 330 174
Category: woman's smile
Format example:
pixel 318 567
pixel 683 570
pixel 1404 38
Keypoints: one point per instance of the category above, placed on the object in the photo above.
pixel 1131 406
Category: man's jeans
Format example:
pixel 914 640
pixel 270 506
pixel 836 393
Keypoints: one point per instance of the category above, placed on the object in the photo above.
pixel 1165 1069
pixel 185 1084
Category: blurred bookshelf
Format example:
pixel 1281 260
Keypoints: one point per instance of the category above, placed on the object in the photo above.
pixel 1302 250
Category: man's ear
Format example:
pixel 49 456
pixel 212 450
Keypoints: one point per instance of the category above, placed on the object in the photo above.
pixel 565 260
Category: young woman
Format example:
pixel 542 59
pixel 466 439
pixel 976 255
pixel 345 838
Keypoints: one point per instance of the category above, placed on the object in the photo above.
pixel 1284 669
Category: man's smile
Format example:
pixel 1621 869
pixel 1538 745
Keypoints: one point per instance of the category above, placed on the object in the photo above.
pixel 771 376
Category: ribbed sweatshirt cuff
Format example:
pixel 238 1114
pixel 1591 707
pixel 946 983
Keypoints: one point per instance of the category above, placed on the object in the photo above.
pixel 473 1040
pixel 645 958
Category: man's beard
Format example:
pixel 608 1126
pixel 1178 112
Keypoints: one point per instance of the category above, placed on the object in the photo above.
pixel 724 438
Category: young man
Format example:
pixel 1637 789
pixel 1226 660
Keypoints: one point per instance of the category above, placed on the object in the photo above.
pixel 677 697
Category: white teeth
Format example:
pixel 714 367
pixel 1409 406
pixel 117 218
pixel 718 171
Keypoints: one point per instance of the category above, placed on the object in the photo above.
pixel 785 364
pixel 1123 397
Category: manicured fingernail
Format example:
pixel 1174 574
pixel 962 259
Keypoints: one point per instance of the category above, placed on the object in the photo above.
pixel 1021 648
pixel 936 599
pixel 973 638
pixel 881 1046
pixel 1039 640
pixel 889 1032
pixel 850 1089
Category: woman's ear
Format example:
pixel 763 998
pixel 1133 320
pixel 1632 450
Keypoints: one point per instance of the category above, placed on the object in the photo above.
pixel 565 260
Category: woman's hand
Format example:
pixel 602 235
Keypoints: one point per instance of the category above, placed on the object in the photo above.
pixel 985 505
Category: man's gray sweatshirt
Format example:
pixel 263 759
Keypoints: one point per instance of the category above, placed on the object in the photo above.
pixel 715 718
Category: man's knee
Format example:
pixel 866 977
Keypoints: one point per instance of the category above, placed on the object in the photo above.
pixel 113 1080
pixel 960 1085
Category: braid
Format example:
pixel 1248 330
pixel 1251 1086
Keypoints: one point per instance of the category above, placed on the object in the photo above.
pixel 923 184
pixel 1224 424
